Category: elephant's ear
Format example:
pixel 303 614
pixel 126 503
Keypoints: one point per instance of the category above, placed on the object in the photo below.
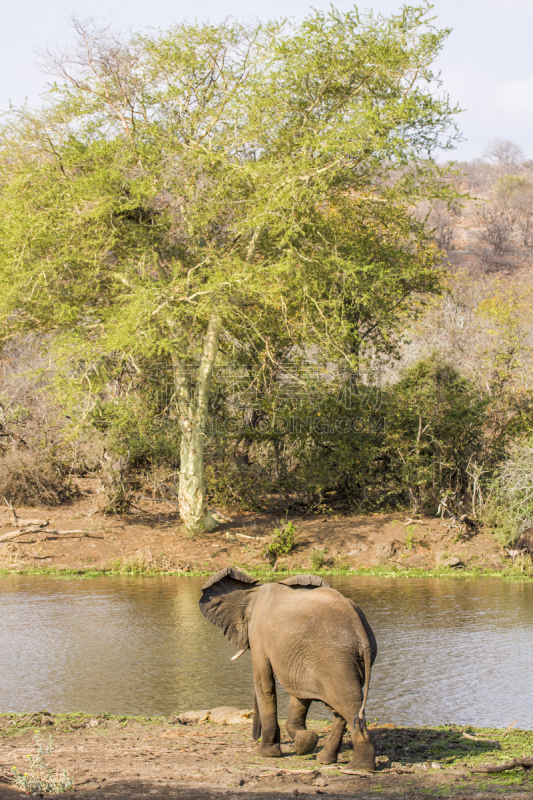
pixel 227 600
pixel 305 582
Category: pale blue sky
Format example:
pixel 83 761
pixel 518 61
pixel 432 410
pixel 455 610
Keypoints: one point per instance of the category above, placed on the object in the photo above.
pixel 487 65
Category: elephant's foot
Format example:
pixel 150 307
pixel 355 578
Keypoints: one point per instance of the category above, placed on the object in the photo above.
pixel 362 763
pixel 326 757
pixel 305 742
pixel 269 750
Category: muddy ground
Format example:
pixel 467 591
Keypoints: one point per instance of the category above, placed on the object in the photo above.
pixel 123 758
pixel 151 537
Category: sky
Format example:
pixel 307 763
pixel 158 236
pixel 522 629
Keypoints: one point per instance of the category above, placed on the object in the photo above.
pixel 486 66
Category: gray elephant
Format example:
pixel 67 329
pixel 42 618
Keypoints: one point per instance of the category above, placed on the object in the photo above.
pixel 315 641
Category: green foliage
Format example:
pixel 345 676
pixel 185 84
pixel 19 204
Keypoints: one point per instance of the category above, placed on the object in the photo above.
pixel 281 543
pixel 434 426
pixel 509 186
pixel 317 559
pixel 274 193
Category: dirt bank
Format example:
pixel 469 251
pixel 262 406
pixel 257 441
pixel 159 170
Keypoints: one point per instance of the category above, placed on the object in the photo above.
pixel 151 538
pixel 122 758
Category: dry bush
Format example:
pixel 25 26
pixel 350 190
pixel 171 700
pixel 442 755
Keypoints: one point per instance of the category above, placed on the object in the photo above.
pixel 11 557
pixel 516 193
pixel 483 326
pixel 441 219
pixel 115 493
pixel 504 155
pixel 28 479
pixel 478 176
pixel 509 506
pixel 496 221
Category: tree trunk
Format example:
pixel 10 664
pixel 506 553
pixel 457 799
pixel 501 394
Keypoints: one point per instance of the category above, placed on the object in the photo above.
pixel 193 509
pixel 193 402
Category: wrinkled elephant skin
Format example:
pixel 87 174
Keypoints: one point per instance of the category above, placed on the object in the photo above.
pixel 315 641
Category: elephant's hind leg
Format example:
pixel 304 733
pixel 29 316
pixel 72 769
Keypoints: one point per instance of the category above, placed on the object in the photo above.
pixel 265 695
pixel 304 741
pixel 330 751
pixel 364 755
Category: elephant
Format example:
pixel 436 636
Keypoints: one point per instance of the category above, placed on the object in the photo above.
pixel 315 641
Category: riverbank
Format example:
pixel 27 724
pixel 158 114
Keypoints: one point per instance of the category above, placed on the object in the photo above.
pixel 73 540
pixel 133 757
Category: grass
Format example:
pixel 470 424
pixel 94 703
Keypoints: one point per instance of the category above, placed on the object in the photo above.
pixel 445 745
pixel 133 567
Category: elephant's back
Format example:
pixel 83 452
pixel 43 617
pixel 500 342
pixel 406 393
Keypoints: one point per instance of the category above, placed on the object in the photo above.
pixel 311 617
pixel 308 636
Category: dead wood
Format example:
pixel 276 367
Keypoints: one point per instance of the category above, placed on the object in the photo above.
pixel 50 536
pixel 506 731
pixel 515 762
pixel 21 531
pixel 480 739
pixel 11 507
pixel 27 719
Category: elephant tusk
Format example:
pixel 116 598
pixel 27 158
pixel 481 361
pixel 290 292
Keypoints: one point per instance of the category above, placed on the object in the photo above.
pixel 239 654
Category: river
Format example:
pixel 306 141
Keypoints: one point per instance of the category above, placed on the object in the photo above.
pixel 449 650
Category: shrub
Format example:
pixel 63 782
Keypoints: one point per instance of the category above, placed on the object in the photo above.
pixel 29 479
pixel 433 432
pixel 281 543
pixel 317 559
pixel 41 778
pixel 509 505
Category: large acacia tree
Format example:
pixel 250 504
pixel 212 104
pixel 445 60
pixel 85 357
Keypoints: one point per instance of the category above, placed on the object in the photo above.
pixel 182 192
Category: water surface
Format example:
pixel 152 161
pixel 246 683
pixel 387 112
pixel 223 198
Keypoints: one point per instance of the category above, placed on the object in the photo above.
pixel 449 650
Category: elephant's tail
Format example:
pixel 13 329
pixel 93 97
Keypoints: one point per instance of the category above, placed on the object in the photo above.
pixel 256 727
pixel 368 667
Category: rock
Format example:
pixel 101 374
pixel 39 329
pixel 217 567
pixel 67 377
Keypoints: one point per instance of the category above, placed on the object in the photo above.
pixel 222 715
pixel 227 715
pixel 383 552
pixel 434 765
pixel 358 550
pixel 454 561
pixel 193 717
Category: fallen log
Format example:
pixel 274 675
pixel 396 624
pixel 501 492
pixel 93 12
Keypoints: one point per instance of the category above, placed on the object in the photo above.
pixel 515 762
pixel 24 523
pixel 21 531
pixel 50 535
